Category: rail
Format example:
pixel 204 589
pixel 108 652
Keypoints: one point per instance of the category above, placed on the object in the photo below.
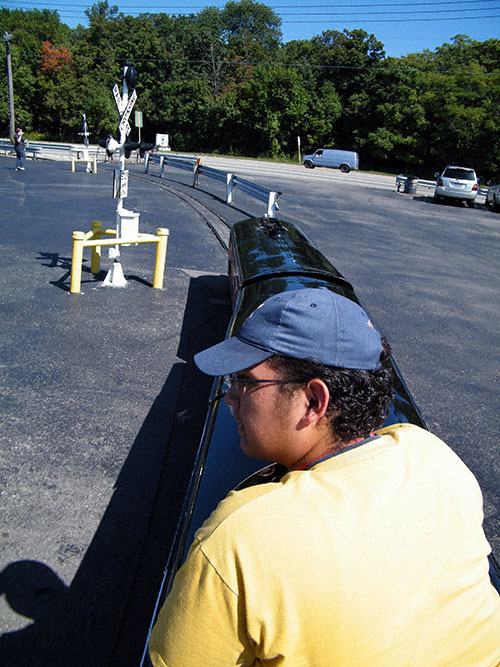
pixel 49 151
pixel 8 148
pixel 232 181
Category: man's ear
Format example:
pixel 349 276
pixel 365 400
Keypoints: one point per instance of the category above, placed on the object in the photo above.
pixel 317 397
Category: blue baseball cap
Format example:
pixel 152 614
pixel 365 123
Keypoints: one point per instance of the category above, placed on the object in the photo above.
pixel 310 323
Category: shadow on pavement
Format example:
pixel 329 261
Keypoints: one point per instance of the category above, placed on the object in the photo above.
pixel 102 618
pixel 54 260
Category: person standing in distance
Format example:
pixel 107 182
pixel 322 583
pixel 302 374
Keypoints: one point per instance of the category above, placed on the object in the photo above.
pixel 20 148
pixel 369 551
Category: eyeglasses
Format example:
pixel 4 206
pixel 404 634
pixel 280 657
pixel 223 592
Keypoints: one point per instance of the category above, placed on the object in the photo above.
pixel 241 384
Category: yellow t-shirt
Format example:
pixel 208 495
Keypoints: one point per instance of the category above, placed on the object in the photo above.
pixel 375 557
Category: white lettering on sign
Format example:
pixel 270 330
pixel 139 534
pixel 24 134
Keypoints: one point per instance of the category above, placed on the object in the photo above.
pixel 120 184
pixel 124 183
pixel 118 99
pixel 125 126
pixel 130 106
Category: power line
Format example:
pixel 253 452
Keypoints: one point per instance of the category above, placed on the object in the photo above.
pixel 165 8
pixel 71 12
pixel 365 20
pixel 346 17
pixel 374 69
pixel 302 12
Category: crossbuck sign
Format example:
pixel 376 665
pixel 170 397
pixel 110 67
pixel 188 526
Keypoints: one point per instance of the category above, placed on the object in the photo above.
pixel 124 124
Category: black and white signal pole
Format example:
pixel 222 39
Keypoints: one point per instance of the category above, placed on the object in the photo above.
pixel 127 222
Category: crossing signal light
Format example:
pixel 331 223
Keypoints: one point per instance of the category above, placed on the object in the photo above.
pixel 131 77
pixel 110 144
pixel 144 146
pixel 130 146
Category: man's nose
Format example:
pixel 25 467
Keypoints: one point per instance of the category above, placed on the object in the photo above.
pixel 231 397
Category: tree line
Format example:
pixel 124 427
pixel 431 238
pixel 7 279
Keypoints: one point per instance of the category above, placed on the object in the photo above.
pixel 223 80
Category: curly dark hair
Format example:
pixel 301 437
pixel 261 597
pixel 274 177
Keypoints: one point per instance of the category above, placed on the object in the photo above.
pixel 359 399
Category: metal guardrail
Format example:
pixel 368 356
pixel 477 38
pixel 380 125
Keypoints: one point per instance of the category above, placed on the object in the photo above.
pixel 267 196
pixel 45 150
pixel 211 172
pixel 232 181
pixel 181 162
pixel 7 148
pixel 60 148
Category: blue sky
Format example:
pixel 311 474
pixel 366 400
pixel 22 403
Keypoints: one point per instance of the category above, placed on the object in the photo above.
pixel 403 27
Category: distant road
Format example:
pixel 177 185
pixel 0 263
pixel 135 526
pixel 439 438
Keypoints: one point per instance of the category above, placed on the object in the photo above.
pixel 297 171
pixel 358 178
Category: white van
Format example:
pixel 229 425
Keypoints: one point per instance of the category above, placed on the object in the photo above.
pixel 331 157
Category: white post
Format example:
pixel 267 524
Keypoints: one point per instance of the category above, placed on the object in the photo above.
pixel 86 143
pixel 115 276
pixel 272 204
pixel 229 188
pixel 121 163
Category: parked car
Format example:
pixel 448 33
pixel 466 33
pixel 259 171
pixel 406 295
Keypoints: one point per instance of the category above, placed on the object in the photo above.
pixel 493 197
pixel 456 183
pixel 331 157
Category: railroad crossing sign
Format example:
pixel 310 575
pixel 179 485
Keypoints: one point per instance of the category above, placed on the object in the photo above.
pixel 118 100
pixel 124 124
pixel 125 127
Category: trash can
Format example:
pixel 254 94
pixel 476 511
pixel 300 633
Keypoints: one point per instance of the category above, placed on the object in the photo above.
pixel 411 185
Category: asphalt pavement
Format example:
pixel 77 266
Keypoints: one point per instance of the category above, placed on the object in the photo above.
pixel 98 411
pixel 102 407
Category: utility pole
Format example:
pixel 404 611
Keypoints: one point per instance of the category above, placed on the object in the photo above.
pixel 7 37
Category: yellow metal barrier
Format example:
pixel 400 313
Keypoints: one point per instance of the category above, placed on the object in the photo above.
pixel 94 241
pixel 91 161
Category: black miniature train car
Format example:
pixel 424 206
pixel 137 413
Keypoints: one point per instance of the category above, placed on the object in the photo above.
pixel 266 256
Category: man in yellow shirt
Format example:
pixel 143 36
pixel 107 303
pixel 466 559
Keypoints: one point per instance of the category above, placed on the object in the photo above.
pixel 368 552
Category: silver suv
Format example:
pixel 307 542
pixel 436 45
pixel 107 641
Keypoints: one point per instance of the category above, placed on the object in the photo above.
pixel 458 183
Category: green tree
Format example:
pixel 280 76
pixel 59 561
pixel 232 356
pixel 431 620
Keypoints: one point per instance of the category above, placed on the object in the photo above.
pixel 350 60
pixel 56 86
pixel 460 99
pixel 272 107
pixel 29 29
pixel 222 79
pixel 251 29
pixel 396 121
pixel 319 121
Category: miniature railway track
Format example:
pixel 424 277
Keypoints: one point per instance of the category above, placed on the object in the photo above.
pixel 214 221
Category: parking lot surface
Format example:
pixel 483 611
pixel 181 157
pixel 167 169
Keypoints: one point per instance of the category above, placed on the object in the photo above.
pixel 96 388
pixel 102 408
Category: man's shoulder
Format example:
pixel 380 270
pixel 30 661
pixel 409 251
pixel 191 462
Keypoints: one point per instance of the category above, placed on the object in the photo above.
pixel 422 445
pixel 241 507
pixel 411 434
